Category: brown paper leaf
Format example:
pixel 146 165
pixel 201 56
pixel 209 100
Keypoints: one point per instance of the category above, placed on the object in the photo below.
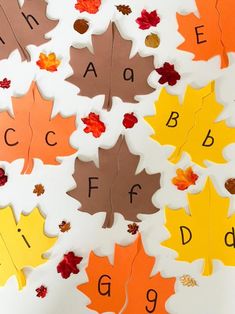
pixel 109 70
pixel 114 186
pixel 124 9
pixel 23 26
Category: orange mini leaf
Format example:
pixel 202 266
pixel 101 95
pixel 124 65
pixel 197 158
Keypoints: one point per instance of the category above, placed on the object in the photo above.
pixel 94 125
pixel 184 178
pixel 48 62
pixel 126 286
pixel 90 6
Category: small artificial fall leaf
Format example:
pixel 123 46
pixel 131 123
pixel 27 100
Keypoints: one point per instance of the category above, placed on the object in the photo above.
pixel 191 126
pixel 90 6
pixel 129 120
pixel 39 189
pixel 114 186
pixel 65 226
pixel 94 125
pixel 21 244
pixel 152 40
pixel 3 177
pixel 184 178
pixel 41 291
pixel 23 26
pixel 115 75
pixel 146 20
pixel 188 281
pixel 207 233
pixel 133 228
pixel 124 9
pixel 32 133
pixel 230 185
pixel 5 83
pixel 68 265
pixel 110 286
pixel 208 35
pixel 81 26
pixel 168 74
pixel 48 62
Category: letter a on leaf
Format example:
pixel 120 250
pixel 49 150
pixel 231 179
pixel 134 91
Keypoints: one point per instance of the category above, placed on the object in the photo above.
pixel 24 26
pixel 126 286
pixel 191 127
pixel 207 233
pixel 32 133
pixel 22 244
pixel 110 70
pixel 209 34
pixel 115 186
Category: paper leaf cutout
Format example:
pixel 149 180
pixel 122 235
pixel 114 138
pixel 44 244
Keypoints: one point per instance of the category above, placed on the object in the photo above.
pixel 207 233
pixel 22 244
pixel 32 133
pixel 116 74
pixel 184 178
pixel 48 62
pixel 114 186
pixel 191 126
pixel 110 286
pixel 210 34
pixel 24 26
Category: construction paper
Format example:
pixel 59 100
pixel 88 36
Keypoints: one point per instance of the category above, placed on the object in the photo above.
pixel 116 74
pixel 23 26
pixel 206 233
pixel 31 133
pixel 21 244
pixel 209 34
pixel 191 127
pixel 114 186
pixel 126 285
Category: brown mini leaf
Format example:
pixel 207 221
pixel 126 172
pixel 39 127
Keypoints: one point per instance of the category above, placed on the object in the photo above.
pixel 39 189
pixel 65 226
pixel 109 70
pixel 133 228
pixel 115 186
pixel 24 26
pixel 81 26
pixel 124 9
pixel 152 41
pixel 188 281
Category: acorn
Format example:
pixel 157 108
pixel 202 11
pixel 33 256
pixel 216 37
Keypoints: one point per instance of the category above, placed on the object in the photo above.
pixel 230 185
pixel 81 26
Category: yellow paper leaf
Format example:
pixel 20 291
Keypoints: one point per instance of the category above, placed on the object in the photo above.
pixel 207 233
pixel 22 244
pixel 191 126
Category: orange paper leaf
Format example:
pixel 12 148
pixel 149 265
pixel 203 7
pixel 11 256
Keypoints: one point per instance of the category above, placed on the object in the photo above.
pixel 128 279
pixel 184 178
pixel 48 62
pixel 32 133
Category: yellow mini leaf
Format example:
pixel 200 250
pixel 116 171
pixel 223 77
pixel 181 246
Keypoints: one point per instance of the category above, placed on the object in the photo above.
pixel 191 126
pixel 22 244
pixel 208 233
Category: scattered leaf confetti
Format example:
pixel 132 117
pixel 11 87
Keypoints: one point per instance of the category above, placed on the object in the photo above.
pixel 65 226
pixel 146 20
pixel 230 185
pixel 90 6
pixel 184 178
pixel 3 177
pixel 39 189
pixel 133 228
pixel 124 9
pixel 168 74
pixel 41 291
pixel 68 265
pixel 94 125
pixel 129 120
pixel 5 83
pixel 48 62
pixel 188 281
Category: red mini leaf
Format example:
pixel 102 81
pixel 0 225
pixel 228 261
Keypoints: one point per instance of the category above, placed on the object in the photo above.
pixel 3 177
pixel 148 19
pixel 41 291
pixel 5 83
pixel 168 74
pixel 68 265
pixel 129 120
pixel 94 125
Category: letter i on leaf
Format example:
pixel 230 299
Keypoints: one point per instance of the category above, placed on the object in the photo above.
pixel 127 285
pixel 207 233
